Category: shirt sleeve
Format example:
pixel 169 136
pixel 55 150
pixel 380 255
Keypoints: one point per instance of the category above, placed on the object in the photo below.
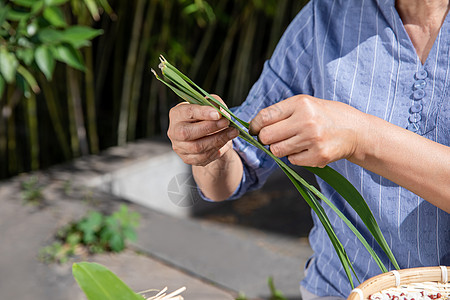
pixel 286 74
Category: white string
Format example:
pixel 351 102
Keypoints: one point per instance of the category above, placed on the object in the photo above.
pixel 444 274
pixel 397 277
pixel 359 292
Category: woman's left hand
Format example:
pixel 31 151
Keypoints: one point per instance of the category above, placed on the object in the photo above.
pixel 310 131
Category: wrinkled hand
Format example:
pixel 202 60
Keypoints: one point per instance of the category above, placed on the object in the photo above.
pixel 199 134
pixel 309 131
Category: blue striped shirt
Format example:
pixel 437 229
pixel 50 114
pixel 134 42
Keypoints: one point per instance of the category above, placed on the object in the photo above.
pixel 358 52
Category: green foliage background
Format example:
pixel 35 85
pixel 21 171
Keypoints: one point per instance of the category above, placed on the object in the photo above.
pixel 113 99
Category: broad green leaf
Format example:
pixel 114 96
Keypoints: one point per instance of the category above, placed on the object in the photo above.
pixel 69 55
pixel 80 36
pixel 37 6
pixel 29 78
pixel 17 16
pixel 8 64
pixel 50 36
pixel 45 61
pixel 55 2
pixel 26 55
pixel 99 283
pixel 54 16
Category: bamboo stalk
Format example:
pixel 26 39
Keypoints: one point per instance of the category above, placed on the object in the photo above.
pixel 240 80
pixel 205 43
pixel 164 40
pixel 140 65
pixel 128 109
pixel 54 112
pixel 90 101
pixel 118 67
pixel 3 138
pixel 105 48
pixel 13 98
pixel 73 136
pixel 220 64
pixel 77 109
pixel 33 132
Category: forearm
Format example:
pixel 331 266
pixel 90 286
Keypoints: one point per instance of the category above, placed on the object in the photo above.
pixel 220 178
pixel 410 160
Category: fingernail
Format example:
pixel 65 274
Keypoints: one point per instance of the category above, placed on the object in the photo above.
pixel 214 115
pixel 222 123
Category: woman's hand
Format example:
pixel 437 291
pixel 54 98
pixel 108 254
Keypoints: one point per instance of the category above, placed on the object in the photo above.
pixel 315 132
pixel 199 134
pixel 309 131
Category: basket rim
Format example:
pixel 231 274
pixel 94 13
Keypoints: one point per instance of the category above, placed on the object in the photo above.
pixel 397 277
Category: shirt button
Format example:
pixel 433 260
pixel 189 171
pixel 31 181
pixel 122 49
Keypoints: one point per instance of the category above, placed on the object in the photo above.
pixel 416 108
pixel 422 74
pixel 420 84
pixel 415 117
pixel 413 127
pixel 419 94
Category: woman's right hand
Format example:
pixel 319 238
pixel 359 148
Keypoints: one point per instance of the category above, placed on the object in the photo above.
pixel 199 134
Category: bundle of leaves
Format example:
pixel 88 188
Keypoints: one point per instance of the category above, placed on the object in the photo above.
pixel 95 233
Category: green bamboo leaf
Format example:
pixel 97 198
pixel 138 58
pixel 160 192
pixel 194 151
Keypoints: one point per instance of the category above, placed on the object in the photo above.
pixel 54 16
pixel 8 65
pixel 37 6
pixel 79 36
pixel 310 199
pixel 356 201
pixel 26 55
pixel 99 283
pixel 50 36
pixel 183 85
pixel 205 94
pixel 45 61
pixel 69 55
pixel 17 16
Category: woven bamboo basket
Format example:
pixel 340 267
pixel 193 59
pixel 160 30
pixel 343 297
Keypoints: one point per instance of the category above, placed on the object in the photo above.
pixel 407 284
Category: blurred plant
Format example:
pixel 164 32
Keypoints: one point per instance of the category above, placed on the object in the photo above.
pixel 274 293
pixel 34 35
pixel 32 190
pixel 95 233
